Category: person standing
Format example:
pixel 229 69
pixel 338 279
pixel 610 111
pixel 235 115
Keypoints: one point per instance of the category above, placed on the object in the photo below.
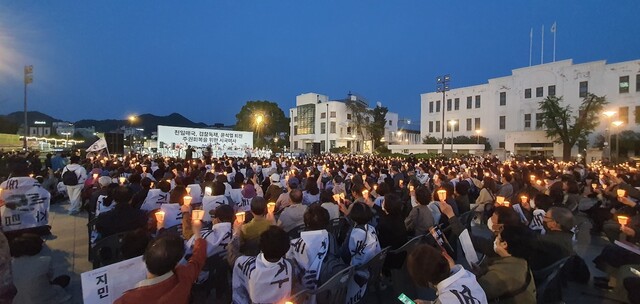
pixel 74 186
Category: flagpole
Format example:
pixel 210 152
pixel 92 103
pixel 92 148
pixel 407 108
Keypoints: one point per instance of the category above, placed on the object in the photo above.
pixel 555 29
pixel 542 47
pixel 530 45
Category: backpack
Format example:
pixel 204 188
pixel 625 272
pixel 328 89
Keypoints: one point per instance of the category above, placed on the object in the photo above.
pixel 331 264
pixel 69 178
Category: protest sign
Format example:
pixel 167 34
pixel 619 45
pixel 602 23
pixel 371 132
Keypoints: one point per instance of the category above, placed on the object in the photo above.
pixel 23 204
pixel 106 284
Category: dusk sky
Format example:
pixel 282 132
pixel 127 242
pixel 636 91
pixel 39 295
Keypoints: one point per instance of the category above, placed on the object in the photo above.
pixel 205 59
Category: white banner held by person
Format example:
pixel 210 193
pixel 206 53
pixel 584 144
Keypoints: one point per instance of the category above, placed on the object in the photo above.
pixel 23 204
pixel 98 145
pixel 155 198
pixel 108 283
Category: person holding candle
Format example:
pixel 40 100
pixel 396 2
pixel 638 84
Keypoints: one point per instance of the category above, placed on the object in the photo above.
pixel 168 282
pixel 246 236
pixel 420 218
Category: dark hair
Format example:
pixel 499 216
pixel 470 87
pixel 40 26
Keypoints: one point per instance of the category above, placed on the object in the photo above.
pixel 27 244
pixel 312 186
pixel 422 272
pixel 164 186
pixel 423 196
pixel 383 189
pixel 218 188
pixel 462 187
pixel 572 187
pixel 274 243
pixel 316 217
pixel 338 179
pixel 507 216
pixel 360 213
pixel 224 213
pixel 258 205
pixel 393 205
pixel 74 159
pixel 520 240
pixel 296 196
pixel 146 183
pixel 326 196
pixel 543 201
pixel 163 254
pixel 490 184
pixel 134 243
pixel 122 195
pixel 135 178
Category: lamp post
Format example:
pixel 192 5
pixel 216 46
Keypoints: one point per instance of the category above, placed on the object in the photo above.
pixel 132 119
pixel 259 121
pixel 607 151
pixel 442 85
pixel 28 78
pixel 478 136
pixel 617 124
pixel 452 123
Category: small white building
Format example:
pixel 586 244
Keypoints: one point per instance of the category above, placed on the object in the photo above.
pixel 64 128
pixel 329 124
pixel 505 109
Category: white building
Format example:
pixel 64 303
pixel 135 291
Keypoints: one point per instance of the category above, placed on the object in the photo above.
pixel 505 110
pixel 64 128
pixel 329 124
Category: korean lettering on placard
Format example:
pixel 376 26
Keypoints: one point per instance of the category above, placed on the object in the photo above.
pixel 12 220
pixel 103 289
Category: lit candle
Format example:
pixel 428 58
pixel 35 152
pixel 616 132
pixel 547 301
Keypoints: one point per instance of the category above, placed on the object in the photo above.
pixel 538 182
pixel 442 195
pixel 160 216
pixel 240 217
pixel 365 193
pixel 524 199
pixel 532 177
pixel 122 180
pixel 623 220
pixel 594 186
pixel 187 200
pixel 411 188
pixel 506 203
pixel 499 200
pixel 621 192
pixel 336 197
pixel 197 215
pixel 271 207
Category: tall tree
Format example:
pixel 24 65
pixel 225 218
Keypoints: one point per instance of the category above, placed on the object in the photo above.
pixel 567 129
pixel 265 119
pixel 376 127
pixel 359 118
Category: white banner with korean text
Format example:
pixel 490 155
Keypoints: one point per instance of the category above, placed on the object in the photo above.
pixel 23 204
pixel 106 284
pixel 174 141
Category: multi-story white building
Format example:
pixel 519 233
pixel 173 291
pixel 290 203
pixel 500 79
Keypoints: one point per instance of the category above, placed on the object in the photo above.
pixel 505 110
pixel 329 124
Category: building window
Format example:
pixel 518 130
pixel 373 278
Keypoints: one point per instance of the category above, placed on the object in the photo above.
pixel 323 115
pixel 623 87
pixel 503 122
pixel 469 124
pixel 527 93
pixel 390 122
pixel 456 104
pixel 539 91
pixel 539 121
pixel 527 121
pixel 295 145
pixel 501 145
pixel 638 83
pixel 295 118
pixel 503 98
pixel 348 130
pixel 332 144
pixel 449 125
pixel 477 123
pixel 551 90
pixel 332 114
pixel 322 145
pixel 306 119
pixel 448 104
pixel 323 127
pixel 431 127
pixel 348 116
pixel 469 102
pixel 584 88
pixel 477 101
pixel 623 114
pixel 437 126
pixel 456 127
pixel 332 127
pixel 430 106
pixel 295 130
pixel 437 105
pixel 637 115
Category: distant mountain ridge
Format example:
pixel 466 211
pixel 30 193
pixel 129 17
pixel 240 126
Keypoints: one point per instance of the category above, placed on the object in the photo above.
pixel 148 122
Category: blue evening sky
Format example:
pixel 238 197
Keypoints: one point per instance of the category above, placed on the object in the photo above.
pixel 204 59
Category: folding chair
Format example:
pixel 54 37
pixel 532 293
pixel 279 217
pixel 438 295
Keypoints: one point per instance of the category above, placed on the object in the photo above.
pixel 374 267
pixel 335 289
pixel 548 286
pixel 108 250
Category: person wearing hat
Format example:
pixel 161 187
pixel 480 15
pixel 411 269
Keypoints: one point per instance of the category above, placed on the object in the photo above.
pixel 274 190
pixel 248 193
pixel 284 200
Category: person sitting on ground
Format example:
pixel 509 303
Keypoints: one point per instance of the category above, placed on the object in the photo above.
pixel 452 282
pixel 293 216
pixel 268 277
pixel 167 282
pixel 33 273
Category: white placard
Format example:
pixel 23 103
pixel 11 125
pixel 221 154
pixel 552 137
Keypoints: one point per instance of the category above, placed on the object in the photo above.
pixel 172 141
pixel 172 215
pixel 467 247
pixel 24 204
pixel 195 193
pixel 106 284
pixel 518 209
pixel 628 246
pixel 211 203
pixel 155 198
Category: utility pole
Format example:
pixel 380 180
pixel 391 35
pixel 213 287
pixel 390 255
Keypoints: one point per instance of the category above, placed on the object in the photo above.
pixel 442 85
pixel 28 78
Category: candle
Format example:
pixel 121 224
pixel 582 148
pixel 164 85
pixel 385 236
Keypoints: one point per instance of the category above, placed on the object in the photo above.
pixel 197 215
pixel 411 188
pixel 271 207
pixel 240 217
pixel 442 195
pixel 365 193
pixel 152 184
pixel 532 177
pixel 342 195
pixel 122 180
pixel 160 216
pixel 95 175
pixel 506 203
pixel 187 200
pixel 336 197
pixel 207 191
pixel 524 199
pixel 375 187
pixel 621 192
pixel 538 182
pixel 594 186
pixel 499 200
pixel 623 220
pixel 188 190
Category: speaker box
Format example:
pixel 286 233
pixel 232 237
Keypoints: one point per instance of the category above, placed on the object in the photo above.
pixel 316 148
pixel 115 142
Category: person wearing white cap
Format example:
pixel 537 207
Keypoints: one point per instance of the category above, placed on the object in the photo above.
pixel 274 190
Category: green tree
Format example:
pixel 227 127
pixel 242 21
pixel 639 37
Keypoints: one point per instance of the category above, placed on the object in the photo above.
pixel 265 119
pixel 376 127
pixel 567 129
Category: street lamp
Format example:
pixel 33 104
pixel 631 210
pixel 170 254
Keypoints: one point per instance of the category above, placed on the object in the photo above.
pixel 258 121
pixel 478 135
pixel 617 124
pixel 442 85
pixel 28 78
pixel 452 123
pixel 608 114
pixel 132 119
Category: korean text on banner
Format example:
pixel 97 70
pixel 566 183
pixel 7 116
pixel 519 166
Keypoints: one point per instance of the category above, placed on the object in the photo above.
pixel 24 204
pixel 108 283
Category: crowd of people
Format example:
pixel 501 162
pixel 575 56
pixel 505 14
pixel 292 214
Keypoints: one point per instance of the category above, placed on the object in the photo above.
pixel 258 230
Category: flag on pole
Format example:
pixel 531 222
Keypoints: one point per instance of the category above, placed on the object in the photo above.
pixel 553 30
pixel 553 27
pixel 98 145
pixel 530 45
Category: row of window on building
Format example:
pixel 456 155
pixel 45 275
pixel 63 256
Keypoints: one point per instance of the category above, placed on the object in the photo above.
pixel 456 104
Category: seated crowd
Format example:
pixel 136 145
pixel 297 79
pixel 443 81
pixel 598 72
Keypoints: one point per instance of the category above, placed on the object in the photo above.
pixel 261 230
